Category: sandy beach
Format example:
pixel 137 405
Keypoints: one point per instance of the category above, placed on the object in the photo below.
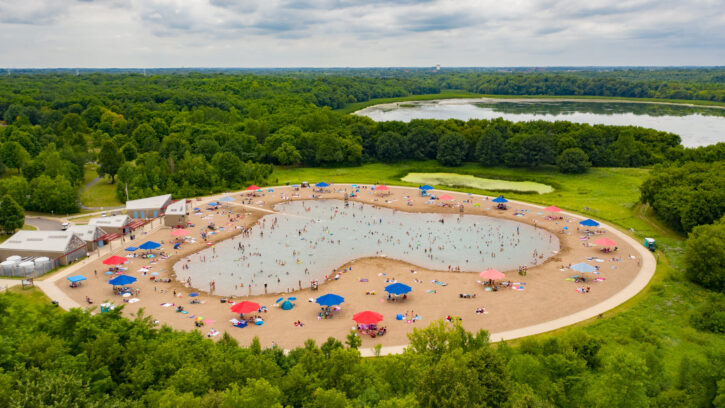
pixel 546 294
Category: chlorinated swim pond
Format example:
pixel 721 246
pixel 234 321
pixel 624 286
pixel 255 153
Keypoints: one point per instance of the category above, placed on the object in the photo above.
pixel 308 240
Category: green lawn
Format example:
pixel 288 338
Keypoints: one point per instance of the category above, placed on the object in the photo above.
pixel 101 194
pixel 353 107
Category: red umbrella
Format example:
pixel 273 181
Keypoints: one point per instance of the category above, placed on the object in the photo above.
pixel 605 242
pixel 245 307
pixel 367 317
pixel 252 188
pixel 382 188
pixel 446 197
pixel 115 260
pixel 492 274
pixel 178 232
pixel 553 208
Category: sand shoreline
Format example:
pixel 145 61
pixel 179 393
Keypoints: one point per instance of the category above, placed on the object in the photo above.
pixel 546 298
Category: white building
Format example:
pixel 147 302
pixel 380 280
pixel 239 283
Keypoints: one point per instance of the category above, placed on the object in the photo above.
pixel 62 247
pixel 149 207
pixel 91 234
pixel 117 224
pixel 175 214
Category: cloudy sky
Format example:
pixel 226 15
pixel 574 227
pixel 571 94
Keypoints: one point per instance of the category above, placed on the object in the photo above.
pixel 360 33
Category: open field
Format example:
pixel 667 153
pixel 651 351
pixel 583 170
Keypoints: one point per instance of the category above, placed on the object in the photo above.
pixel 465 180
pixel 101 194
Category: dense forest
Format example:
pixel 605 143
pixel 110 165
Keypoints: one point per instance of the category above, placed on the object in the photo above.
pixel 200 133
pixel 54 358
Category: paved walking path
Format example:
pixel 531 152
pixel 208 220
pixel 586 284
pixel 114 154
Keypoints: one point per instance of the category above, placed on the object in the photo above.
pixel 645 274
pixel 8 283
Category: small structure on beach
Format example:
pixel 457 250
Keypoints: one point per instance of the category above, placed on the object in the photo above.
pixel 149 207
pixel 117 224
pixel 93 235
pixel 175 214
pixel 61 247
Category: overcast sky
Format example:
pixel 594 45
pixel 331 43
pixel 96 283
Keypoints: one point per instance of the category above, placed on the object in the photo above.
pixel 359 33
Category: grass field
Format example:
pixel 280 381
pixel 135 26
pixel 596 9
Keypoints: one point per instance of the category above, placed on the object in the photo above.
pixel 353 107
pixel 468 181
pixel 101 194
pixel 656 319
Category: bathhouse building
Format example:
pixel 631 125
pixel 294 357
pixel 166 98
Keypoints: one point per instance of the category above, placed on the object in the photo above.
pixel 175 214
pixel 93 235
pixel 117 224
pixel 149 207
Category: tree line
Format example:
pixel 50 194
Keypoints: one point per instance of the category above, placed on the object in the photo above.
pixel 51 357
pixel 204 133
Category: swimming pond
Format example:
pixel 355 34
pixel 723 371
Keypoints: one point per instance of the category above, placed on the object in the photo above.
pixel 307 240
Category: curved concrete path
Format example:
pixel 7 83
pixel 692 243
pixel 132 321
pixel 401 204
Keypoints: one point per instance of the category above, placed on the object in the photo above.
pixel 640 281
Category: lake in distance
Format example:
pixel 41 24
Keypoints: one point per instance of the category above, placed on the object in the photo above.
pixel 697 126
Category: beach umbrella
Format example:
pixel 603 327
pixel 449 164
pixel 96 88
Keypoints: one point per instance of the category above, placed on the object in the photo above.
pixel 382 188
pixel 292 298
pixel 245 307
pixel 149 245
pixel 108 273
pixel 445 197
pixel 213 204
pixel 279 300
pixel 270 190
pixel 76 278
pixel 252 188
pixel 193 294
pixel 122 280
pixel 180 232
pixel 322 184
pixel 115 260
pixel 605 242
pixel 330 299
pixel 197 209
pixel 398 288
pixel 500 199
pixel 583 267
pixel 287 305
pixel 131 249
pixel 589 223
pixel 354 185
pixel 425 187
pixel 492 274
pixel 552 208
pixel 367 317
pixel 295 185
pixel 226 199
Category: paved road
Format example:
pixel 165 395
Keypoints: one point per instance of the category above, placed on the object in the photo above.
pixel 44 224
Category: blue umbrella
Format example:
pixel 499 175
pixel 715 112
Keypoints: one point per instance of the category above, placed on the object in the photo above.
pixel 108 273
pixel 322 184
pixel 500 199
pixel 330 299
pixel 270 190
pixel 295 185
pixel 279 300
pixel 425 187
pixel 292 298
pixel 213 204
pixel 150 245
pixel 131 249
pixel 226 199
pixel 193 294
pixel 589 223
pixel 354 185
pixel 197 209
pixel 76 278
pixel 121 280
pixel 398 288
pixel 583 267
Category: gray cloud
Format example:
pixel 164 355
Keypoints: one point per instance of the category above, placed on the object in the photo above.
pixel 356 32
